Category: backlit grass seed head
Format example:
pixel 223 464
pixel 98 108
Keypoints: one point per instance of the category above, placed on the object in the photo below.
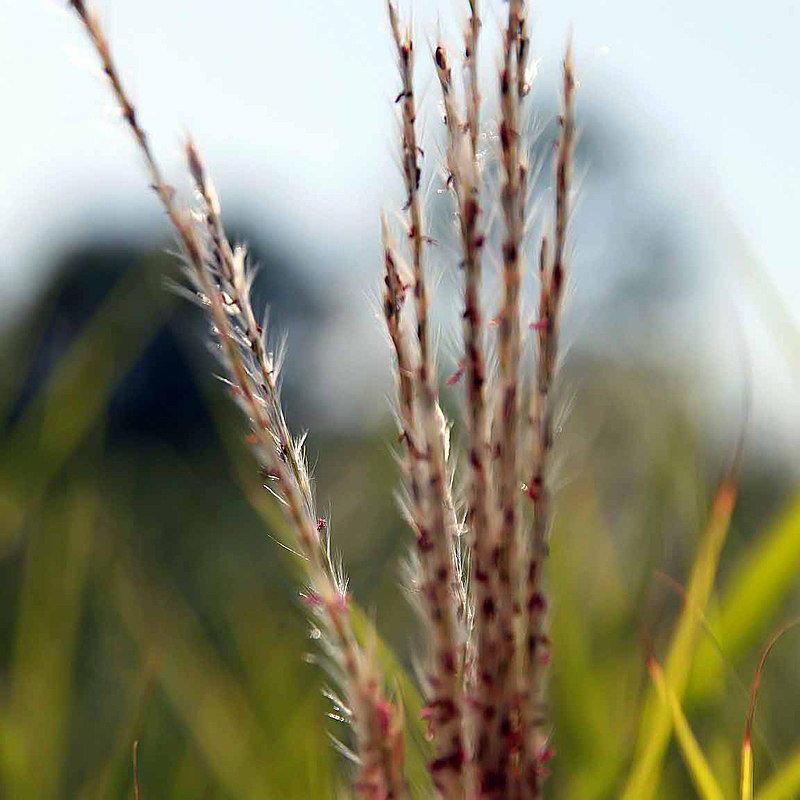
pixel 477 575
pixel 219 275
pixel 438 553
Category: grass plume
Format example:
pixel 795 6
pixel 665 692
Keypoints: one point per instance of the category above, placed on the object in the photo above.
pixel 480 571
pixel 219 276
pixel 484 626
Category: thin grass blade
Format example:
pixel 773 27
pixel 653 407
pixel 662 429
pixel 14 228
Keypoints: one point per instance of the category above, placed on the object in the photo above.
pixel 656 725
pixel 707 786
pixel 751 599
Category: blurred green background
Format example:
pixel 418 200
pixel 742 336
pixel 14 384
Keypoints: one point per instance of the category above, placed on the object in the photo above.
pixel 144 595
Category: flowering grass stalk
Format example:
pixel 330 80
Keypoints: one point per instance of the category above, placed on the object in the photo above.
pixel 504 679
pixel 436 538
pixel 505 423
pixel 552 276
pixel 221 280
pixel 464 176
pixel 483 614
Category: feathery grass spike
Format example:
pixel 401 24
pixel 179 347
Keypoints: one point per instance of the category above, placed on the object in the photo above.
pixel 485 637
pixel 436 543
pixel 219 275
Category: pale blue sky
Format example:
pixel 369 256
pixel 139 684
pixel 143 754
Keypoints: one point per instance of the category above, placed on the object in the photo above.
pixel 290 98
pixel 291 101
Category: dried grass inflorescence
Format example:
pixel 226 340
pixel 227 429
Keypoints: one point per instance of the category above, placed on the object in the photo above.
pixel 484 610
pixel 221 279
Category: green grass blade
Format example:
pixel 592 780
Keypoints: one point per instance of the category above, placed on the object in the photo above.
pixel 752 598
pixel 592 742
pixel 656 724
pixel 707 786
pixel 785 783
pixel 747 747
pixel 747 770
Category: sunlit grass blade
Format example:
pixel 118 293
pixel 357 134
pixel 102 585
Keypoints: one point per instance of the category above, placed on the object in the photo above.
pixel 656 724
pixel 752 598
pixel 707 786
pixel 747 770
pixel 784 784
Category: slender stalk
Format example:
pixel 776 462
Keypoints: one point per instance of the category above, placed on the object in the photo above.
pixel 394 296
pixel 436 544
pixel 485 690
pixel 552 278
pixel 506 415
pixel 230 265
pixel 137 792
pixel 412 438
pixel 473 91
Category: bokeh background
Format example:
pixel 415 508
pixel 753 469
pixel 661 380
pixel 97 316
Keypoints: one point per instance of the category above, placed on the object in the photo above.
pixel 143 595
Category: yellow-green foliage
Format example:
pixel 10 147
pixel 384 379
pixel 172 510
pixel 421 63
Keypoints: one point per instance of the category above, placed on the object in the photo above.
pixel 136 606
